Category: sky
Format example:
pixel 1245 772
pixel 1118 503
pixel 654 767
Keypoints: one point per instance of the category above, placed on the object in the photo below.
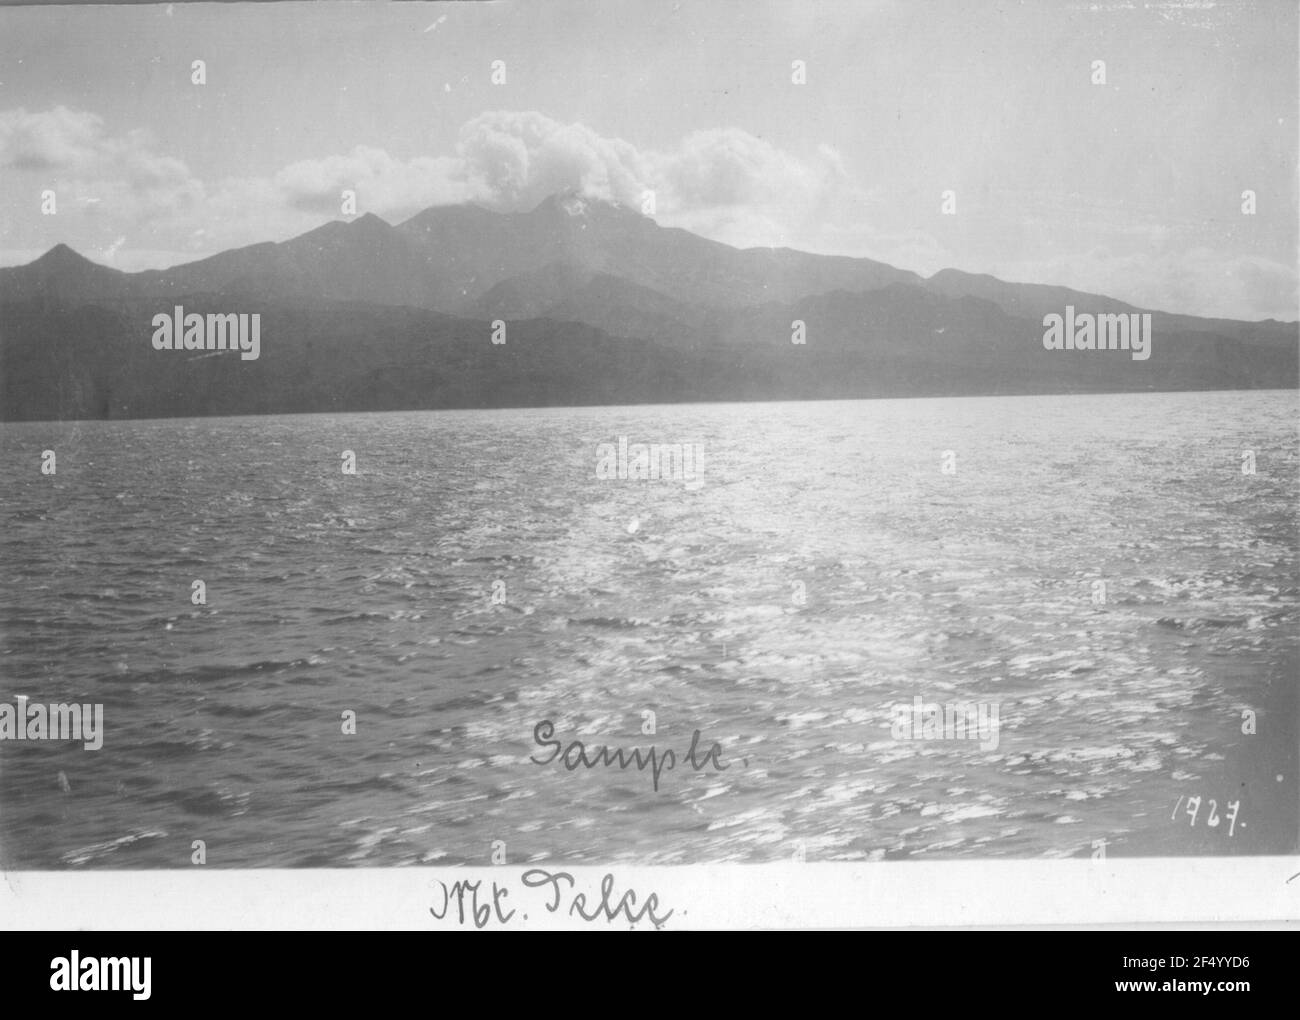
pixel 1132 187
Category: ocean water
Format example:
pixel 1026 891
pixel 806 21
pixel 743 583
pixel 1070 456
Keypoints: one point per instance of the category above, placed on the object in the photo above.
pixel 475 578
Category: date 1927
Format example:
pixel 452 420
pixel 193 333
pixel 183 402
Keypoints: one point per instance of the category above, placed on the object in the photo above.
pixel 1212 816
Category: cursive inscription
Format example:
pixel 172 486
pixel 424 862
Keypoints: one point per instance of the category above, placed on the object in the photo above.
pixel 467 902
pixel 575 755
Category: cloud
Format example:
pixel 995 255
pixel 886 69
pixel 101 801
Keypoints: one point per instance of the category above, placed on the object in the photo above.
pixel 724 183
pixel 110 178
pixel 58 140
pixel 515 159
pixel 519 158
pixel 730 167
pixel 382 183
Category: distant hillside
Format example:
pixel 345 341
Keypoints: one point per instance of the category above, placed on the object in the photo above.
pixel 1035 300
pixel 603 307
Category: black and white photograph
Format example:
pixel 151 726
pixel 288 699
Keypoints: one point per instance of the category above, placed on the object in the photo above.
pixel 575 435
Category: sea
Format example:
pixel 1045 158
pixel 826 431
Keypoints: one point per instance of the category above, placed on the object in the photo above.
pixel 420 661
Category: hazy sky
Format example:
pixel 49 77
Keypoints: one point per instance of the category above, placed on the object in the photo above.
pixel 1132 188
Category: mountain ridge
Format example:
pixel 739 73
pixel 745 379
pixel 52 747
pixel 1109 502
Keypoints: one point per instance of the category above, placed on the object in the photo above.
pixel 462 224
pixel 601 304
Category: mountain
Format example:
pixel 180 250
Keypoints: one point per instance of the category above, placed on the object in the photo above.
pixel 61 275
pixel 901 340
pixel 475 250
pixel 448 257
pixel 602 306
pixel 363 260
pixel 569 293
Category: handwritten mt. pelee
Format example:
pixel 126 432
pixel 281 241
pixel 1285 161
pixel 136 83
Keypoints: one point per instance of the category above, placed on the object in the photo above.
pixel 600 306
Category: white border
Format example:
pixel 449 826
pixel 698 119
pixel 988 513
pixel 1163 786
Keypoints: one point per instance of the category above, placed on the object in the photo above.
pixel 1200 891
